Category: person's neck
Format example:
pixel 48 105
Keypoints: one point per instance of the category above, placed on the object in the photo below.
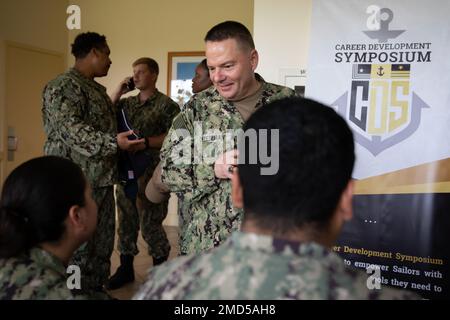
pixel 256 85
pixel 304 235
pixel 252 89
pixel 146 93
pixel 84 69
pixel 61 249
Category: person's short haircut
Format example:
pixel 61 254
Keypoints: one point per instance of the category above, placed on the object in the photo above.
pixel 316 158
pixel 231 30
pixel 204 65
pixel 85 42
pixel 152 65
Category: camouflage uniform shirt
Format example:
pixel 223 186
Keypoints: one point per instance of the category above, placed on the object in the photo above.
pixel 36 275
pixel 80 124
pixel 210 216
pixel 152 117
pixel 249 266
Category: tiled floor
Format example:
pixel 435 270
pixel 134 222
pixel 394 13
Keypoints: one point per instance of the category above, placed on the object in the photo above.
pixel 142 263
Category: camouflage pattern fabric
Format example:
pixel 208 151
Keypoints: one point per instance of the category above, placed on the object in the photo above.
pixel 208 214
pixel 183 219
pixel 133 215
pixel 128 220
pixel 37 275
pixel 250 266
pixel 80 124
pixel 151 118
pixel 93 257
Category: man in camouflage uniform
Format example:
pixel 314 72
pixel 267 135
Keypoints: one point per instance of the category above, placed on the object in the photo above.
pixel 204 187
pixel 150 114
pixel 292 219
pixel 80 124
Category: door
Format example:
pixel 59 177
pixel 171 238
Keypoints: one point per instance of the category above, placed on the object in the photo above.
pixel 27 72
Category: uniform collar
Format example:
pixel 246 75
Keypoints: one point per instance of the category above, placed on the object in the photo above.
pixel 148 101
pixel 75 73
pixel 268 244
pixel 229 106
pixel 47 261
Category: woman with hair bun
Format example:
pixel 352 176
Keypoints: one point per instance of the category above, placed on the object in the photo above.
pixel 46 213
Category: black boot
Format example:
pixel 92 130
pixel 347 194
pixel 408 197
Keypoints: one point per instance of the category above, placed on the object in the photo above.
pixel 124 274
pixel 158 261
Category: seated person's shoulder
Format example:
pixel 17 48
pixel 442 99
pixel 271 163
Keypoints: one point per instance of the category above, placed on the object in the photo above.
pixel 27 280
pixel 164 281
pixel 179 264
pixel 361 286
pixel 389 293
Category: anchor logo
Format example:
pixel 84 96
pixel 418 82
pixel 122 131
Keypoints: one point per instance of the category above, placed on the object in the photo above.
pixel 380 71
pixel 382 32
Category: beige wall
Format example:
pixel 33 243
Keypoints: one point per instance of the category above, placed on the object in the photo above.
pixel 36 23
pixel 136 28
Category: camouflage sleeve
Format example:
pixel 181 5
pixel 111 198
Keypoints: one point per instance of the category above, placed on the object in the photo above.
pixel 64 114
pixel 176 155
pixel 60 291
pixel 172 110
pixel 180 172
pixel 147 290
pixel 171 281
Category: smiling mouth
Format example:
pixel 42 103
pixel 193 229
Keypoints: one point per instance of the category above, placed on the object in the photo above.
pixel 225 86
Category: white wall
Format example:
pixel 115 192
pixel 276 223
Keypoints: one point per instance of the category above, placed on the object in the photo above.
pixel 281 32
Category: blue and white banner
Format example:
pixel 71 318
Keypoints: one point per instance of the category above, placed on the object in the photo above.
pixel 385 67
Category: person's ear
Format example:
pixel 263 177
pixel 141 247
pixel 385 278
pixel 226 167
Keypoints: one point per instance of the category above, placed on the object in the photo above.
pixel 346 202
pixel 254 59
pixel 95 52
pixel 76 219
pixel 237 193
pixel 154 77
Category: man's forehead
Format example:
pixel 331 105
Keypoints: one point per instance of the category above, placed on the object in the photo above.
pixel 140 66
pixel 225 47
pixel 229 42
